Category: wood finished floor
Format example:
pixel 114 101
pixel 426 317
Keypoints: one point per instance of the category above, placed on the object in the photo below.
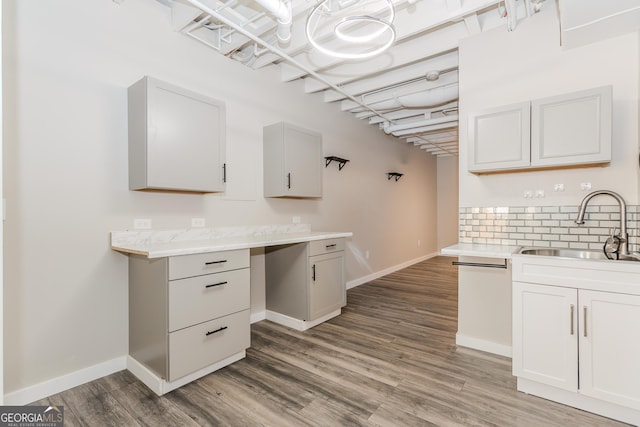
pixel 389 360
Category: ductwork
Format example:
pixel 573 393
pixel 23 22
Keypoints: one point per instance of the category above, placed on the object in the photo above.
pixel 425 99
pixel 430 98
pixel 420 126
pixel 281 10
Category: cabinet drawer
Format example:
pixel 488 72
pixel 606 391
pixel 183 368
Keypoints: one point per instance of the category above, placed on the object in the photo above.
pixel 201 345
pixel 319 247
pixel 198 299
pixel 210 262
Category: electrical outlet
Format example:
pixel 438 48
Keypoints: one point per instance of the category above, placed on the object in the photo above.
pixel 585 186
pixel 419 242
pixel 528 194
pixel 539 193
pixel 142 224
pixel 296 220
pixel 558 187
pixel 198 222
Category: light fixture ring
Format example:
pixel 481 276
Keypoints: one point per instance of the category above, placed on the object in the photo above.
pixel 340 29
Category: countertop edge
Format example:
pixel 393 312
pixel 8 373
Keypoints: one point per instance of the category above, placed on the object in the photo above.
pixel 480 250
pixel 161 250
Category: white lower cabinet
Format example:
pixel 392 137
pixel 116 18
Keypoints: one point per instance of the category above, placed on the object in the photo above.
pixel 610 347
pixel 187 313
pixel 576 338
pixel 545 334
pixel 305 282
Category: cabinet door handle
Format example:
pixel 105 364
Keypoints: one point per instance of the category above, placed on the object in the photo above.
pixel 215 262
pixel 584 313
pixel 224 172
pixel 313 272
pixel 289 181
pixel 216 284
pixel 216 331
pixel 330 246
pixel 572 311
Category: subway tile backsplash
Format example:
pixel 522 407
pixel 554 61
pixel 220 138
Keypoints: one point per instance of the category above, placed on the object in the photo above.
pixel 546 226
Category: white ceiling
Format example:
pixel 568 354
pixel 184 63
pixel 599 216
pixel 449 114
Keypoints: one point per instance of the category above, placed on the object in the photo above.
pixel 389 90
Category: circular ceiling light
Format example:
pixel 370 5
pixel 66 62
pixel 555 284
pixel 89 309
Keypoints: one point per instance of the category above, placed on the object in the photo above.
pixel 345 32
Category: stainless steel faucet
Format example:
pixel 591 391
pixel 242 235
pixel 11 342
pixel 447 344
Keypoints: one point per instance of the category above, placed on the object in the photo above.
pixel 623 236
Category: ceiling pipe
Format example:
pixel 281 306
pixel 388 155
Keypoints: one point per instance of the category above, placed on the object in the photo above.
pixel 389 128
pixel 281 54
pixel 426 99
pixel 282 10
pixel 430 98
pixel 427 128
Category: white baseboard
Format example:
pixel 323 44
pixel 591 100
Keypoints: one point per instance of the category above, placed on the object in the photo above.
pixel 160 386
pixel 297 324
pixel 488 346
pixel 362 280
pixel 256 317
pixel 65 382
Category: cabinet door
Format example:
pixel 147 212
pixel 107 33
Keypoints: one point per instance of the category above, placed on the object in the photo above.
pixel 610 347
pixel 545 334
pixel 327 287
pixel 499 138
pixel 302 162
pixel 573 128
pixel 182 144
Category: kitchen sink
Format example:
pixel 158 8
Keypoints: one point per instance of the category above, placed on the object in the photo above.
pixel 573 253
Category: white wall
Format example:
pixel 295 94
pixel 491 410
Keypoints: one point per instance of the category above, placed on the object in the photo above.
pixel 67 66
pixel 447 201
pixel 500 68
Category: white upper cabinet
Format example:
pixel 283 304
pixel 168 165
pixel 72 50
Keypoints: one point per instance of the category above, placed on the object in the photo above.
pixel 293 161
pixel 176 139
pixel 499 138
pixel 563 130
pixel 572 129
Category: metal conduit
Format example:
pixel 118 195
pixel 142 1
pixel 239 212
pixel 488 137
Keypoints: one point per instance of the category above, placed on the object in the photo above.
pixel 283 55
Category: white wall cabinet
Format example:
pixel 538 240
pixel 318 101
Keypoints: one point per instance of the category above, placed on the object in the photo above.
pixel 499 138
pixel 563 130
pixel 293 161
pixel 177 139
pixel 575 329
pixel 305 281
pixel 188 312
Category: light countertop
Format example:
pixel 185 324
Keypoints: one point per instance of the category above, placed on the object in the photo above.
pixel 481 250
pixel 178 242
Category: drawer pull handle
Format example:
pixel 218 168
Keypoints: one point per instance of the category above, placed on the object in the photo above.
pixel 584 313
pixel 330 246
pixel 216 331
pixel 215 262
pixel 216 284
pixel 313 272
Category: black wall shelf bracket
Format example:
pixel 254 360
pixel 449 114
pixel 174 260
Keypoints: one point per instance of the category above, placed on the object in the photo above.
pixel 341 162
pixel 395 175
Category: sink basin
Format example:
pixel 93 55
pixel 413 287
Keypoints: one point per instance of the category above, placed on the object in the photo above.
pixel 571 253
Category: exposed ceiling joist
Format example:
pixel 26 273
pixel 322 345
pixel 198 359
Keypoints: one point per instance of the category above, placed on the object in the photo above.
pixel 390 90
